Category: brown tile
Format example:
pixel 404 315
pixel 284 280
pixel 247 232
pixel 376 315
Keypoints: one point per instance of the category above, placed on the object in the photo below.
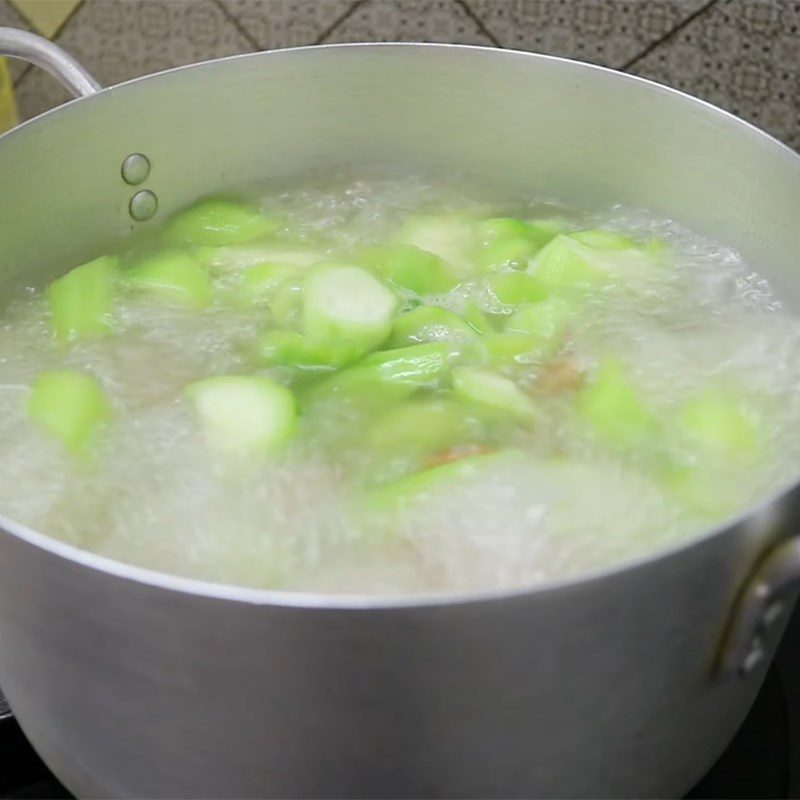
pixel 116 41
pixel 608 32
pixel 741 56
pixel 286 23
pixel 409 20
pixel 10 17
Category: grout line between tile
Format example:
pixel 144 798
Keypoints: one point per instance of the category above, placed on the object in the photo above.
pixel 337 22
pixel 668 35
pixel 479 22
pixel 251 40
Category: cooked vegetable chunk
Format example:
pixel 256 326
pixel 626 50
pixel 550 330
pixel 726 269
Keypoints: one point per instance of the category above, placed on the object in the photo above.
pixel 69 406
pixel 173 277
pixel 243 415
pixel 82 301
pixel 493 392
pixel 219 222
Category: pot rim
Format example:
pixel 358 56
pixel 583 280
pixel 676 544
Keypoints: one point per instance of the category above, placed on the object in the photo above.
pixel 766 509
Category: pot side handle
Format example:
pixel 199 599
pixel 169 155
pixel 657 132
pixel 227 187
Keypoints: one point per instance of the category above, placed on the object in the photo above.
pixel 43 53
pixel 761 605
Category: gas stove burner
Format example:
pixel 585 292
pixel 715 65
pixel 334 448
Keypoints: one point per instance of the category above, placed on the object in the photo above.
pixel 755 765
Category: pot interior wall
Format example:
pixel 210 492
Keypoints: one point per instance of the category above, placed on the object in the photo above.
pixel 527 123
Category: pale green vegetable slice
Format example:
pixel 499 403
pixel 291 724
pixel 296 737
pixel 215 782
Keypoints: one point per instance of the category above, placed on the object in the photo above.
pixel 389 375
pixel 503 349
pixel 82 301
pixel 474 315
pixel 718 424
pixel 70 406
pixel 509 242
pixel 174 277
pixel 409 267
pixel 243 415
pixel 291 349
pixel 409 490
pixel 421 425
pixel 429 324
pixel 493 392
pixel 236 258
pixel 566 262
pixel 516 288
pixel 347 307
pixel 452 237
pixel 260 283
pixel 220 222
pixel 547 321
pixel 615 409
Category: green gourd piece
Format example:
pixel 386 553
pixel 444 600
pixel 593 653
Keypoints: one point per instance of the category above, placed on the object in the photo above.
pixel 69 406
pixel 494 393
pixel 473 314
pixel 421 426
pixel 516 288
pixel 509 242
pixel 291 349
pixel 604 240
pixel 566 262
pixel 614 409
pixel 547 321
pixel 243 415
pixel 173 277
pixel 396 496
pixel 238 258
pixel 429 324
pixel 214 222
pixel 408 267
pixel 388 376
pixel 500 350
pixel 259 283
pixel 452 237
pixel 717 424
pixel 347 307
pixel 82 301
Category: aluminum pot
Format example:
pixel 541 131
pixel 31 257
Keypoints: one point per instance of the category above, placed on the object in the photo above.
pixel 627 683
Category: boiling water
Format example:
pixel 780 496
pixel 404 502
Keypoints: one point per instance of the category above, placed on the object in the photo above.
pixel 153 495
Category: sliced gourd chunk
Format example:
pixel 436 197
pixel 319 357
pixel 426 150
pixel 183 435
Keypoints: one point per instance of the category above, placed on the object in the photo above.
pixel 473 314
pixel 173 277
pixel 502 349
pixel 82 301
pixel 219 222
pixel 615 410
pixel 402 493
pixel 547 321
pixel 450 236
pixel 243 415
pixel 260 283
pixel 421 425
pixel 604 240
pixel 718 425
pixel 409 267
pixel 347 307
pixel 429 324
pixel 286 302
pixel 493 392
pixel 508 242
pixel 389 375
pixel 516 288
pixel 69 406
pixel 236 258
pixel 566 262
pixel 291 349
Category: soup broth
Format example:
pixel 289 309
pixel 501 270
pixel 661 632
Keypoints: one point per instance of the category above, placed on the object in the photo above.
pixel 385 385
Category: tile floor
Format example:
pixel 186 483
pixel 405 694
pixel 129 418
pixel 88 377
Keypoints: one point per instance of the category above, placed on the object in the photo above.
pixel 739 54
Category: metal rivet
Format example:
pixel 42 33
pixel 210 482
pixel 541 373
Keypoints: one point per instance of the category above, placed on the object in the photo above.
pixel 135 169
pixel 753 658
pixel 143 205
pixel 772 613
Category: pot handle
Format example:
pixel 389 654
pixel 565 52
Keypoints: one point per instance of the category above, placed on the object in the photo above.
pixel 43 53
pixel 761 605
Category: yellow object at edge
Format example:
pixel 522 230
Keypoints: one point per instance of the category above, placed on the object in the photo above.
pixel 8 104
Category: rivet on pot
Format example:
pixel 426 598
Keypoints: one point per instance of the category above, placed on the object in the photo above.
pixel 135 169
pixel 143 205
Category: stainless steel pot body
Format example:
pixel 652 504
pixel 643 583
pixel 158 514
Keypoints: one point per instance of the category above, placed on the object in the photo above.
pixel 131 683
